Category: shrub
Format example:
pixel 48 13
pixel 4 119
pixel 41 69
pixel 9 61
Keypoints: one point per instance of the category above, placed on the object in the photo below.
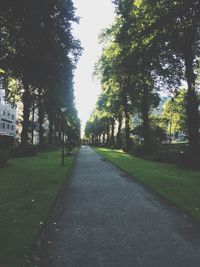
pixel 140 150
pixel 24 151
pixel 3 158
pixel 47 147
pixel 170 156
pixel 189 160
pixel 6 142
pixel 137 150
pixel 159 134
pixel 116 146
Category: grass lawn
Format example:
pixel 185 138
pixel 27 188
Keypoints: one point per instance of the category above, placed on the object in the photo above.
pixel 181 186
pixel 28 188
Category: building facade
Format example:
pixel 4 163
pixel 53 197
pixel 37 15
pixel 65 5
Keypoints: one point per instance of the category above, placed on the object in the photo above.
pixel 7 116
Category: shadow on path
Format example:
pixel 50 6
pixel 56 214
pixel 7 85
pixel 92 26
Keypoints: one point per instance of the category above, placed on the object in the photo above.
pixel 104 219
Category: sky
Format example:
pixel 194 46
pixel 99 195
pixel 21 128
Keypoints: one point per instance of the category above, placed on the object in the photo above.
pixel 95 15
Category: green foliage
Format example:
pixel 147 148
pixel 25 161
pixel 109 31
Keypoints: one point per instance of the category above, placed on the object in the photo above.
pixel 152 46
pixel 159 134
pixel 3 158
pixel 6 144
pixel 189 160
pixel 175 112
pixel 168 156
pixel 39 50
pixel 24 151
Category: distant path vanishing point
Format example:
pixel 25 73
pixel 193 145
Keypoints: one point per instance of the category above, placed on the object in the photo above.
pixel 104 218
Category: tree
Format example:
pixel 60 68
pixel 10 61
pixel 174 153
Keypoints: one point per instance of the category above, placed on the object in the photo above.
pixel 174 113
pixel 38 49
pixel 131 67
pixel 173 27
pixel 114 80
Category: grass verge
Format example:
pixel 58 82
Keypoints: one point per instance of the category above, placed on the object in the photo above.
pixel 181 186
pixel 28 188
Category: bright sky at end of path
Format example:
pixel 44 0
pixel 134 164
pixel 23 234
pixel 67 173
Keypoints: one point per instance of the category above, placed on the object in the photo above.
pixel 95 15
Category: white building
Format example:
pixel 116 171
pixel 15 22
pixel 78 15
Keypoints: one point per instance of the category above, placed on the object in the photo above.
pixel 7 116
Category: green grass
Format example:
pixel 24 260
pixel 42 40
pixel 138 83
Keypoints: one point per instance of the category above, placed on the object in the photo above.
pixel 181 186
pixel 28 188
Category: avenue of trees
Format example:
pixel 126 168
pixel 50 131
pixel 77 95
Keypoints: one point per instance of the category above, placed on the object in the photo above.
pixel 38 55
pixel 151 48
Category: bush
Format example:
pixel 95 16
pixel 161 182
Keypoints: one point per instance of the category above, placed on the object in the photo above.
pixel 170 156
pixel 137 150
pixel 6 142
pixel 174 146
pixel 116 146
pixel 3 158
pixel 189 160
pixel 47 147
pixel 24 151
pixel 140 150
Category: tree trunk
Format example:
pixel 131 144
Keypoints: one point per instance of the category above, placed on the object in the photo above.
pixel 145 119
pixel 191 101
pixel 50 134
pixel 112 131
pixel 33 121
pixel 104 138
pixel 40 119
pixel 60 137
pixel 119 142
pixel 107 132
pixel 93 139
pixel 26 99
pixel 127 124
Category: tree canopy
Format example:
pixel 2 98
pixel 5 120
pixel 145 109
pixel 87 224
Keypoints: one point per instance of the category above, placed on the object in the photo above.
pixel 38 49
pixel 151 48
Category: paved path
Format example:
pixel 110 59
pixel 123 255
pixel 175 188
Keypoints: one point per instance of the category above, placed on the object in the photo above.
pixel 105 219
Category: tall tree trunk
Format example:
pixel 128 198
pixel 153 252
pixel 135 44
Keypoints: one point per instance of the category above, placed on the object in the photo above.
pixel 60 137
pixel 107 132
pixel 127 123
pixel 50 134
pixel 104 137
pixel 112 131
pixel 33 121
pixel 119 142
pixel 104 133
pixel 41 118
pixel 55 136
pixel 93 139
pixel 145 119
pixel 26 99
pixel 191 101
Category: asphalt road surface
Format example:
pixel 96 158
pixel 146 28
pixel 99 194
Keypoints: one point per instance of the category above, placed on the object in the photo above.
pixel 104 218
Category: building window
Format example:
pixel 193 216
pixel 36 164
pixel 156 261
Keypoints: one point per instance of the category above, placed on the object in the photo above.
pixel 13 117
pixel 3 125
pixel 12 127
pixel 8 126
pixel 3 112
pixel 8 114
